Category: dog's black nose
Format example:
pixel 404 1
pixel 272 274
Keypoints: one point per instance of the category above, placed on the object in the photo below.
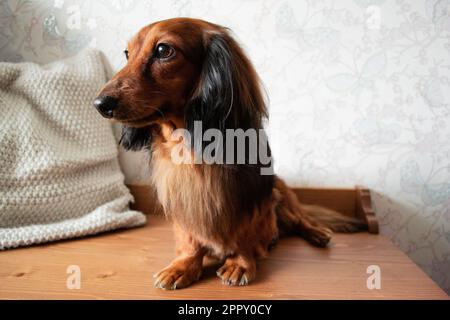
pixel 106 105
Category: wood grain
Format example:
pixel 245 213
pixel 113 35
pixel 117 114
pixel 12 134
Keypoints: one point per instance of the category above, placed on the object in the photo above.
pixel 120 265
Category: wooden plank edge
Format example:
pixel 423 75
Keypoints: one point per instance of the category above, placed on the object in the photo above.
pixel 364 209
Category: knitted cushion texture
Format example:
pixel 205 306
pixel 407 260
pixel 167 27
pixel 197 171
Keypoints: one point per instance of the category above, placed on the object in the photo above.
pixel 59 171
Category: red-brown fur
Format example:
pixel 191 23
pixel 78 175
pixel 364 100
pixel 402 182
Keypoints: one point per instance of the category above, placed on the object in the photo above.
pixel 211 216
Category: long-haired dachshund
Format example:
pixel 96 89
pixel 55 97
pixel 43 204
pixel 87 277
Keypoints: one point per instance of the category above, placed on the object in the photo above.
pixel 184 70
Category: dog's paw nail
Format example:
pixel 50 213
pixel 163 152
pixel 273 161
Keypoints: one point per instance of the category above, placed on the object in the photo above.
pixel 244 281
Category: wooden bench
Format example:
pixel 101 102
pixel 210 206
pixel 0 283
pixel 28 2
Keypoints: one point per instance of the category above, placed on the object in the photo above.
pixel 120 265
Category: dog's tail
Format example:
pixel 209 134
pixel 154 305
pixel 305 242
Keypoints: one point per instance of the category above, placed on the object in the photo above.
pixel 335 221
pixel 314 223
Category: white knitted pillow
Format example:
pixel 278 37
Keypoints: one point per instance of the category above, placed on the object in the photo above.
pixel 59 173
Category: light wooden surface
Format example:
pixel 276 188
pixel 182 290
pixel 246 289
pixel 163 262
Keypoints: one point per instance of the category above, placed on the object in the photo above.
pixel 120 265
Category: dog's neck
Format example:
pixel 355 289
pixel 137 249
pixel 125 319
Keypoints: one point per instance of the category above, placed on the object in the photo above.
pixel 165 127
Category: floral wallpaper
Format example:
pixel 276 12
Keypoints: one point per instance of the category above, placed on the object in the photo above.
pixel 359 92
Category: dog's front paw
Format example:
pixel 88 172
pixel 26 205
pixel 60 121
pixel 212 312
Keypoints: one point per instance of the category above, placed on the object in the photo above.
pixel 233 274
pixel 176 277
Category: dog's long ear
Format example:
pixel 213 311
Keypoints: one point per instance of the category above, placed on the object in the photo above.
pixel 135 138
pixel 228 94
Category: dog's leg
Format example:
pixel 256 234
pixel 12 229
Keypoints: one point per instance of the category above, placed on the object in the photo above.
pixel 314 223
pixel 238 269
pixel 297 223
pixel 315 234
pixel 292 219
pixel 180 273
pixel 186 268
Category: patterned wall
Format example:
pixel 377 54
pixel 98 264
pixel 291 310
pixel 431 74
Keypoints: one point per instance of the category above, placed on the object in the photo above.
pixel 359 92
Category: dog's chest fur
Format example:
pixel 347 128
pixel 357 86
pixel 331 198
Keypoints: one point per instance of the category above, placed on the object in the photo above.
pixel 216 205
pixel 193 195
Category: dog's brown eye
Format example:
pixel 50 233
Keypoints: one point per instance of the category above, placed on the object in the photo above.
pixel 164 51
pixel 126 53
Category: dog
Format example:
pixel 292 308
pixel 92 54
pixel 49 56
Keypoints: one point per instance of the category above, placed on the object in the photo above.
pixel 184 70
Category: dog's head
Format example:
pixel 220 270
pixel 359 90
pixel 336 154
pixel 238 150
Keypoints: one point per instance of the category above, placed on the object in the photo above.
pixel 182 70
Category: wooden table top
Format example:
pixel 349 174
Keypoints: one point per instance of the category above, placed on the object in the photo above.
pixel 120 265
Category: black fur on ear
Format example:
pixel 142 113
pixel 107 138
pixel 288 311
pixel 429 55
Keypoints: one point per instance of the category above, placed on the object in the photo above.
pixel 212 103
pixel 135 138
pixel 228 94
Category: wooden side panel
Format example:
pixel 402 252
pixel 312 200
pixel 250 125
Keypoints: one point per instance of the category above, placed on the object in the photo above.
pixel 364 209
pixel 341 200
